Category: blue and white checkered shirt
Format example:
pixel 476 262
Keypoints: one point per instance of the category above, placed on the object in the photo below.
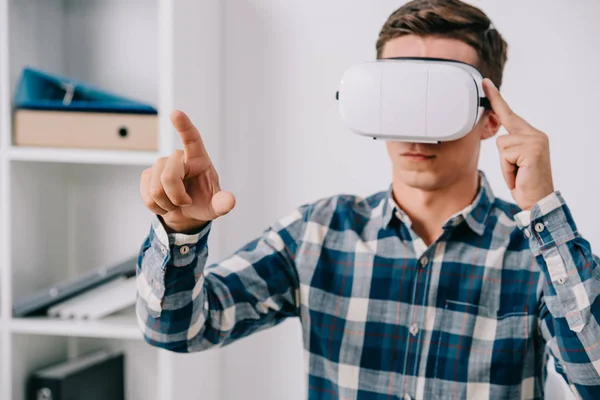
pixel 383 315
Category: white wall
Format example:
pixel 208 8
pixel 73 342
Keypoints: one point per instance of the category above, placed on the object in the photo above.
pixel 109 43
pixel 284 144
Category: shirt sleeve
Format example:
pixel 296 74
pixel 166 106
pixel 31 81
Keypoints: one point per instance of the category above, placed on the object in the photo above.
pixel 570 307
pixel 185 306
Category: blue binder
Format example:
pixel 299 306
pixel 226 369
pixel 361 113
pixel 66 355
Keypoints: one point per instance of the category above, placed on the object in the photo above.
pixel 38 90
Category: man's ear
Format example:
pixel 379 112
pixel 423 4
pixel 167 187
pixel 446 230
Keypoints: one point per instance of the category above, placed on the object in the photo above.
pixel 491 124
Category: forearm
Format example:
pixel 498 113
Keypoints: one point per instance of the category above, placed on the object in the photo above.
pixel 190 227
pixel 184 306
pixel 571 291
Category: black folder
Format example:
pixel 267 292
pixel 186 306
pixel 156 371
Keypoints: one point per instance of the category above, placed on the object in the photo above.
pixel 39 302
pixel 95 376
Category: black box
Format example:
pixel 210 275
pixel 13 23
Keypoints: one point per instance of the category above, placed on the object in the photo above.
pixel 95 376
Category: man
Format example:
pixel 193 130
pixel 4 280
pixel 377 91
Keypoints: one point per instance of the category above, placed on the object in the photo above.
pixel 432 289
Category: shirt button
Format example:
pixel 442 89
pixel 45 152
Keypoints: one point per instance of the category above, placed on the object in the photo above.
pixel 424 261
pixel 539 227
pixel 407 397
pixel 561 280
pixel 163 249
pixel 527 233
pixel 414 329
pixel 184 250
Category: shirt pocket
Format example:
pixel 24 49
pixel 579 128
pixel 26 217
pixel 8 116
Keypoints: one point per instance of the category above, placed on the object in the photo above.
pixel 478 344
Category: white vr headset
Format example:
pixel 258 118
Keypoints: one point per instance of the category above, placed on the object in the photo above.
pixel 427 100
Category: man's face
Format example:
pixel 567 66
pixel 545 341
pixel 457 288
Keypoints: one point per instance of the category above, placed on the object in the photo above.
pixel 435 166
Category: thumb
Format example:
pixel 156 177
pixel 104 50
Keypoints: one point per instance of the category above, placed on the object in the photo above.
pixel 509 159
pixel 509 172
pixel 222 202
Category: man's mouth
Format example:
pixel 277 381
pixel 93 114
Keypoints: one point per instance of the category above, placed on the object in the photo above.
pixel 414 156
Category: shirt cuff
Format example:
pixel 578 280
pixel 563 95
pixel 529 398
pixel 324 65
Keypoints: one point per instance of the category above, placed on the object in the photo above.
pixel 549 223
pixel 179 249
pixel 166 250
pixel 171 240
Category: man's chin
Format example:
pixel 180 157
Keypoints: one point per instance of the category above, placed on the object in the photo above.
pixel 424 180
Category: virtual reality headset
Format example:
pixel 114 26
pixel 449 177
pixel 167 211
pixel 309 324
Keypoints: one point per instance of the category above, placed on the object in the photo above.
pixel 427 100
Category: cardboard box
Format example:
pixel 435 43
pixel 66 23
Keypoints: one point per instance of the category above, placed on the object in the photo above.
pixel 86 130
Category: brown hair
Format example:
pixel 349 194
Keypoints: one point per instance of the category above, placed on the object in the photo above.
pixel 452 19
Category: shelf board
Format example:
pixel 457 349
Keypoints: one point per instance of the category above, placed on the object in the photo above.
pixel 82 156
pixel 119 326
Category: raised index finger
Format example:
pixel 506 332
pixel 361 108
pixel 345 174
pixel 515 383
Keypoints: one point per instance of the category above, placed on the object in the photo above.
pixel 508 118
pixel 193 146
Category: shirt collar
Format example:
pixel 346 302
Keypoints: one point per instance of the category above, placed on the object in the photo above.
pixel 475 214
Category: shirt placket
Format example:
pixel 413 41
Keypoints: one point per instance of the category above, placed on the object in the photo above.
pixel 416 316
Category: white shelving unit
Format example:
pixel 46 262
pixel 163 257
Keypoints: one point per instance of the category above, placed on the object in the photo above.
pixel 121 326
pixel 63 211
pixel 103 157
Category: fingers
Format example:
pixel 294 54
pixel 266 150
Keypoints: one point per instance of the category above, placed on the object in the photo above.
pixel 533 147
pixel 222 202
pixel 193 146
pixel 172 180
pixel 511 121
pixel 163 190
pixel 508 163
pixel 510 159
pixel 509 146
pixel 157 191
pixel 509 172
pixel 516 139
pixel 145 193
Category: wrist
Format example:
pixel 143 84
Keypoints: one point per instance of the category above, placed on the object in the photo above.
pixel 185 227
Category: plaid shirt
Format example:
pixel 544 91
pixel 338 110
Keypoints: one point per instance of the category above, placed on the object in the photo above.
pixel 383 315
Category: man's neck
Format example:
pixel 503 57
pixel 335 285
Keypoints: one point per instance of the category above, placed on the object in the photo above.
pixel 429 210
